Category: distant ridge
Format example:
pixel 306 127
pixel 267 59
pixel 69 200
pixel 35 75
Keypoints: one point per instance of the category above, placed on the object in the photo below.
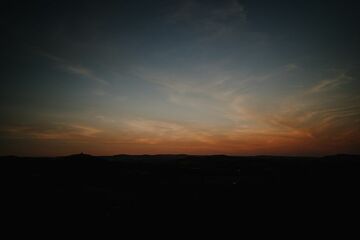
pixel 80 155
pixel 155 155
pixel 343 155
pixel 83 155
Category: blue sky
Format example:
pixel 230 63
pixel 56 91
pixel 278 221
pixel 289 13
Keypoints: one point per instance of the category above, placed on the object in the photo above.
pixel 204 77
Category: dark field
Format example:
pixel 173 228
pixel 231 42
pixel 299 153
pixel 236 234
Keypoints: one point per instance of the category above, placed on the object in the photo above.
pixel 109 186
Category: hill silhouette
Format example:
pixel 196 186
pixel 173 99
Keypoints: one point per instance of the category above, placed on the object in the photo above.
pixel 110 184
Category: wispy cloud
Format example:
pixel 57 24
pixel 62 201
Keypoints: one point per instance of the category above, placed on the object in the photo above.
pixel 84 72
pixel 214 20
pixel 320 121
pixel 295 120
pixel 329 84
pixel 75 69
pixel 52 132
pixel 196 10
pixel 156 131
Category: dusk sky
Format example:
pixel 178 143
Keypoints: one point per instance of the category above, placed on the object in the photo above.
pixel 167 77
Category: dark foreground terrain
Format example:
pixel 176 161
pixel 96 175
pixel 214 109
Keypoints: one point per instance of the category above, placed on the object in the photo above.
pixel 109 186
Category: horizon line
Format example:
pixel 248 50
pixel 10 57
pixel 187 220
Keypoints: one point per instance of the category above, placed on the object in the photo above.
pixel 177 154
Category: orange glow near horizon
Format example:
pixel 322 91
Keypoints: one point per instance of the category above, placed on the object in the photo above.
pixel 180 77
pixel 166 138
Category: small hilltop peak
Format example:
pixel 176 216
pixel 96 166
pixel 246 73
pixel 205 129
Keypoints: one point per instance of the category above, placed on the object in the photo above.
pixel 80 155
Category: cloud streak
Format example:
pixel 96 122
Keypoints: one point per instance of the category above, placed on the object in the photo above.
pixel 215 21
pixel 330 84
pixel 66 132
pixel 75 69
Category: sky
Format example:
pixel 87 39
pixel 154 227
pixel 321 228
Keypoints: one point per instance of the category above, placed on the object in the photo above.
pixel 166 77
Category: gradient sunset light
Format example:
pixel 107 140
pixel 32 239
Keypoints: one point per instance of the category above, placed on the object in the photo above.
pixel 168 77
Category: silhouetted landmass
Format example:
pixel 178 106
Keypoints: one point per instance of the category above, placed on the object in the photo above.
pixel 108 184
